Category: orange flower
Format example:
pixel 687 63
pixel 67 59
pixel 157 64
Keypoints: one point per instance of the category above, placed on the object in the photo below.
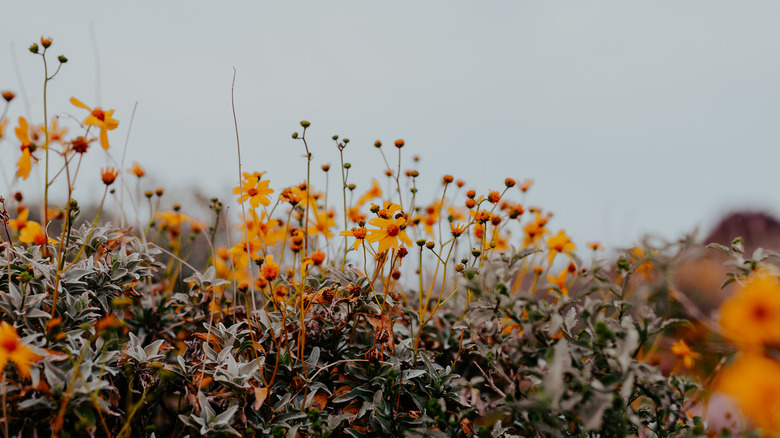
pixel 388 233
pixel 137 170
pixel 457 230
pixel 358 233
pixel 270 269
pixel 3 124
pixel 684 352
pixel 11 348
pixel 254 190
pixel 595 246
pixel 108 175
pixel 101 119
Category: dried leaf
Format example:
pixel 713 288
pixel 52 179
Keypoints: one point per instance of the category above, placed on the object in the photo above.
pixel 260 396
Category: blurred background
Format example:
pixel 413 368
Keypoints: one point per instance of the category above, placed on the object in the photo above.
pixel 631 118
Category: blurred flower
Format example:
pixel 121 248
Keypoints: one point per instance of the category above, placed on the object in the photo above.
pixel 270 269
pixel 374 192
pixel 559 243
pixel 754 382
pixel 32 234
pixel 21 220
pixel 11 348
pixel 684 352
pixel 560 281
pixel 101 119
pixel 751 317
pixel 137 170
pixel 25 162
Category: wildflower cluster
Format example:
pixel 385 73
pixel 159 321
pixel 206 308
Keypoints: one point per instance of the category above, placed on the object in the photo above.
pixel 372 312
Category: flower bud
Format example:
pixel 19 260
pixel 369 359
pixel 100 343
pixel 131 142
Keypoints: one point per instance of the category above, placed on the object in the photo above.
pixel 305 124
pixel 62 59
pixel 294 135
pixel 46 42
pixel 33 48
pixel 378 144
pixel 8 95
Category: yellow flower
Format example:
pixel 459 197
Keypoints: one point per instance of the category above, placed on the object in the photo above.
pixel 387 210
pixel 11 348
pixel 537 229
pixel 241 253
pixel 754 382
pixel 20 221
pixel 560 281
pixel 25 162
pixel 55 133
pixel 388 233
pixel 559 243
pixel 101 119
pixel 32 234
pixel 684 352
pixel 751 317
pixel 323 222
pixel 254 190
pixel 374 192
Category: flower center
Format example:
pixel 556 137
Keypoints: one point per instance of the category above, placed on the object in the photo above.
pixel 252 191
pixel 99 114
pixel 9 344
pixel 393 230
pixel 760 312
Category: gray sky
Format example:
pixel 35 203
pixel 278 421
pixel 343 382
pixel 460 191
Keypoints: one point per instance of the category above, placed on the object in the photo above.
pixel 631 117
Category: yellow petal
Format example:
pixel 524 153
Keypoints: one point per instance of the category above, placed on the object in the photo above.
pixel 24 165
pixel 79 104
pixel 104 138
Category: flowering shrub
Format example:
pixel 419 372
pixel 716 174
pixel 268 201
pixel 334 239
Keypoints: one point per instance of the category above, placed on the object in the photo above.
pixel 318 316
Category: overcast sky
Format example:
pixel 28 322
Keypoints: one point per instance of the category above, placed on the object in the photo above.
pixel 632 117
